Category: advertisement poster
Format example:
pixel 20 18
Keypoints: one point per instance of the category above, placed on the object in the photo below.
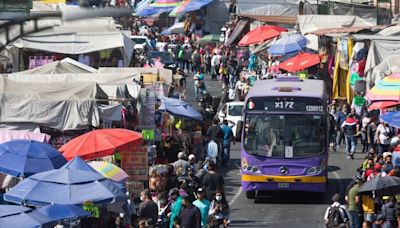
pixel 135 163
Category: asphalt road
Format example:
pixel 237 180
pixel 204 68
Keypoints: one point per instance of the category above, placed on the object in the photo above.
pixel 302 210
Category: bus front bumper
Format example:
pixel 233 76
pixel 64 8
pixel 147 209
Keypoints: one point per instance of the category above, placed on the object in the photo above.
pixel 283 183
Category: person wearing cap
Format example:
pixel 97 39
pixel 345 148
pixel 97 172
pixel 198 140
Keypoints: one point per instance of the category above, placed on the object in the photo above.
pixel 192 161
pixel 176 205
pixel 342 209
pixel 181 165
pixel 203 204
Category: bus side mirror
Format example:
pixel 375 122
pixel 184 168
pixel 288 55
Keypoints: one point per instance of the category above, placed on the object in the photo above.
pixel 239 128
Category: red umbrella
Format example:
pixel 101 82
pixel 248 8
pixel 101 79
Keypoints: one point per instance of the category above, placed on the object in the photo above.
pixel 383 104
pixel 261 34
pixel 300 62
pixel 100 143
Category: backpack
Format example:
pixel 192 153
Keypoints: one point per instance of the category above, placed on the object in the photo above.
pixel 335 218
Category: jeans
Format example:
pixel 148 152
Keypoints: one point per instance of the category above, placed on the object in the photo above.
pixel 340 137
pixel 351 142
pixel 196 91
pixel 226 154
pixel 383 148
pixel 355 219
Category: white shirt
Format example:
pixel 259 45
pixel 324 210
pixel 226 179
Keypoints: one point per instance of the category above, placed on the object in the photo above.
pixel 212 149
pixel 216 60
pixel 342 212
pixel 382 130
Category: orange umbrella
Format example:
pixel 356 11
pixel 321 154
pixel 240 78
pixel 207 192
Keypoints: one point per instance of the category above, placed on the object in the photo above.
pixel 300 62
pixel 100 143
pixel 261 34
pixel 383 104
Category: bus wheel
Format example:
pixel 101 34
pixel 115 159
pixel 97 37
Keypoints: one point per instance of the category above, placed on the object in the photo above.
pixel 251 194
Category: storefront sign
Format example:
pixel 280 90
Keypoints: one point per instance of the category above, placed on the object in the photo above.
pixel 135 163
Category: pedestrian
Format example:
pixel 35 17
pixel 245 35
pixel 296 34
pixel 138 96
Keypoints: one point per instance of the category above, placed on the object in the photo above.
pixel 340 118
pixel 368 207
pixel 239 89
pixel 203 204
pixel 216 134
pixel 212 151
pixel 196 61
pixel 198 79
pixel 364 126
pixel 350 128
pixel 383 136
pixel 226 145
pixel 176 205
pixel 148 209
pixel 353 201
pixel 189 215
pixel 389 213
pixel 181 166
pixel 215 63
pixel 219 210
pixel 336 215
pixel 212 181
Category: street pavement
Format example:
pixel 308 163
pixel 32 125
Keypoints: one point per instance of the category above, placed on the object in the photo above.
pixel 300 210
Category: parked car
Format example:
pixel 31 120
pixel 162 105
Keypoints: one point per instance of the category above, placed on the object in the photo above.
pixel 165 59
pixel 141 42
pixel 232 111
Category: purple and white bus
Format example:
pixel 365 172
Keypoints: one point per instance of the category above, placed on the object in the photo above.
pixel 285 137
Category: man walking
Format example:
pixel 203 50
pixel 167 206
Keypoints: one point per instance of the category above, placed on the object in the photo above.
pixel 353 200
pixel 148 210
pixel 340 118
pixel 350 128
pixel 189 215
pixel 204 206
pixel 336 215
pixel 226 144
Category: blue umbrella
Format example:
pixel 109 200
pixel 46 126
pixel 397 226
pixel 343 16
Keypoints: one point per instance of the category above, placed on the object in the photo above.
pixel 23 220
pixel 79 164
pixel 179 108
pixel 392 118
pixel 65 186
pixel 27 157
pixel 7 210
pixel 288 44
pixel 59 212
pixel 196 5
pixel 150 10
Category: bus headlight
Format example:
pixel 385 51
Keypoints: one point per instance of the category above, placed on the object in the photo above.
pixel 252 169
pixel 314 170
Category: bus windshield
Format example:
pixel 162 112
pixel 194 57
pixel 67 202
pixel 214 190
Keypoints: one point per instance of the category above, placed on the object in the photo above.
pixel 284 135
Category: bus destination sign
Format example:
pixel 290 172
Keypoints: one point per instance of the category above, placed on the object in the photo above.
pixel 287 104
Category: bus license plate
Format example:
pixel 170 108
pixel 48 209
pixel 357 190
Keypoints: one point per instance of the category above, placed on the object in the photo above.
pixel 283 185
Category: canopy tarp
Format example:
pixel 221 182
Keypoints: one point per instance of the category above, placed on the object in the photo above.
pixel 62 106
pixel 8 135
pixel 379 50
pixel 165 75
pixel 387 67
pixel 64 66
pixel 268 7
pixel 311 23
pixel 113 84
pixel 79 42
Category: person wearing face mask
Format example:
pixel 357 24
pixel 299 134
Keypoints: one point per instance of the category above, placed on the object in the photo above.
pixel 219 210
pixel 148 210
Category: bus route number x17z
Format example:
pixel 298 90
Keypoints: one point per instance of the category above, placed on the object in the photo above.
pixel 284 104
pixel 314 108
